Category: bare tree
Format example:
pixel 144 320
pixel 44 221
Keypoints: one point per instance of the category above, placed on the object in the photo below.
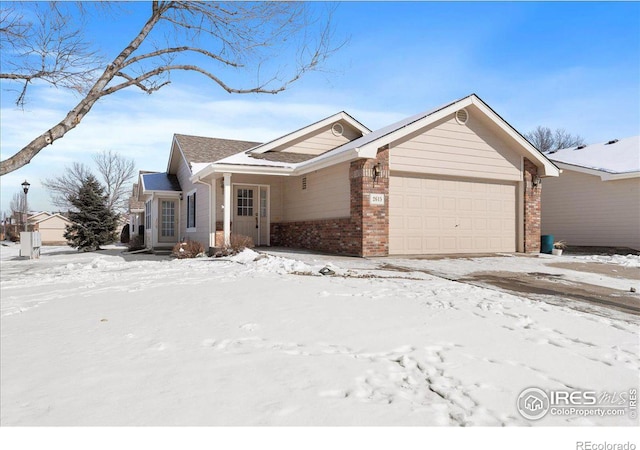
pixel 18 207
pixel 208 38
pixel 546 140
pixel 115 172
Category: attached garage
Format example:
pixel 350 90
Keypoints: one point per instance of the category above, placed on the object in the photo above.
pixel 430 215
pixel 459 180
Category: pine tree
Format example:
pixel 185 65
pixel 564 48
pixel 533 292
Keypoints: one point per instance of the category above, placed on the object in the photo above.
pixel 94 224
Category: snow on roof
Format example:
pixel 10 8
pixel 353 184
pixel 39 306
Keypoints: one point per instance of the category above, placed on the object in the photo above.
pixel 622 156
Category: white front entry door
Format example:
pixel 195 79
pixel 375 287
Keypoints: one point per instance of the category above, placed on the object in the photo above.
pixel 168 223
pixel 246 211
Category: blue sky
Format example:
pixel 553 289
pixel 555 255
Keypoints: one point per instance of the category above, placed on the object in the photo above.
pixel 573 65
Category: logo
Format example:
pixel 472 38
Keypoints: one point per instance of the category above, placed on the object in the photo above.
pixel 533 403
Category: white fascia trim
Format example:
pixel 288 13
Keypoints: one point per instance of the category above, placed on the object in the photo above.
pixel 164 193
pixel 550 169
pixel 310 129
pixel 312 165
pixel 184 158
pixel 370 149
pixel 604 176
pixel 243 169
pixel 299 169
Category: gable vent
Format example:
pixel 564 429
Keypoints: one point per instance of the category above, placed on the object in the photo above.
pixel 304 183
pixel 612 142
pixel 462 116
pixel 337 129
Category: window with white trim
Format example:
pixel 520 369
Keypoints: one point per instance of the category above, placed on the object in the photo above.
pixel 191 210
pixel 245 202
pixel 147 215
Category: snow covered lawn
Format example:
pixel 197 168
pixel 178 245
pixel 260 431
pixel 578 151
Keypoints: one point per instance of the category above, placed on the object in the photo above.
pixel 105 339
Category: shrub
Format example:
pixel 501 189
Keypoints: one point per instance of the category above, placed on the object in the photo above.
pixel 188 249
pixel 124 235
pixel 136 243
pixel 13 236
pixel 237 243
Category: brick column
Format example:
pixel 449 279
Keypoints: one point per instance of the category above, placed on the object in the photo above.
pixel 531 208
pixel 371 221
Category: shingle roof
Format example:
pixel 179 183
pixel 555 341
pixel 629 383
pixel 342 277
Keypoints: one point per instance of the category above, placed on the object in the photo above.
pixel 286 157
pixel 160 182
pixel 198 149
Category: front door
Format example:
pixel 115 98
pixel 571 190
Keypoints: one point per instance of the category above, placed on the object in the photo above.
pixel 168 229
pixel 246 220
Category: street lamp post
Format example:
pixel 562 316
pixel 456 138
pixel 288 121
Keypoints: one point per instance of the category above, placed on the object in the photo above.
pixel 25 188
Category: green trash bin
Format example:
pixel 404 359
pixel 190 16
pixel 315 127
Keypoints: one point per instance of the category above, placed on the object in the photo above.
pixel 546 243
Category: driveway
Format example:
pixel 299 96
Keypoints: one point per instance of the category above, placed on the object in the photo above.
pixel 583 282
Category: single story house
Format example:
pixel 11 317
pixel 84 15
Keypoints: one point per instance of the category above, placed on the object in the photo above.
pixel 596 199
pixel 455 179
pixel 51 227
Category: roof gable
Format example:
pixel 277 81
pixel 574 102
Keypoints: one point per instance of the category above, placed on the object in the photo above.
pixel 53 217
pixel 368 145
pixel 198 149
pixel 295 137
pixel 39 216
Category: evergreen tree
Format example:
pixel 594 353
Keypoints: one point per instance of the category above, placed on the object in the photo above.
pixel 94 224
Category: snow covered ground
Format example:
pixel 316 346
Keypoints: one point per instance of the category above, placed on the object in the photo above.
pixel 107 339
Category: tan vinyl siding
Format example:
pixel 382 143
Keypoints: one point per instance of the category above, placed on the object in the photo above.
pixel 448 148
pixel 582 209
pixel 52 230
pixel 327 195
pixel 324 140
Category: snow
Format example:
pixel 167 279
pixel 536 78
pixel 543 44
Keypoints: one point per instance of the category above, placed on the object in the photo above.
pixel 109 339
pixel 620 157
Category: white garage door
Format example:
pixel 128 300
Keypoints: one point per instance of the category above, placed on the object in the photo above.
pixel 431 216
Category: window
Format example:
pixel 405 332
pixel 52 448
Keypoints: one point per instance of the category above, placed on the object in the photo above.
pixel 147 215
pixel 245 202
pixel 191 210
pixel 168 218
pixel 263 202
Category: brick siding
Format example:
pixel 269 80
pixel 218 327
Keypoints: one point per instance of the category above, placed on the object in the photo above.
pixel 364 233
pixel 531 208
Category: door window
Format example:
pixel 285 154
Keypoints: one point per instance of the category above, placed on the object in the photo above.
pixel 168 228
pixel 245 202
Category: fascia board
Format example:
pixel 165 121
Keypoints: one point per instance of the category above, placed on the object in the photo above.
pixel 327 162
pixel 300 169
pixel 176 144
pixel 370 150
pixel 247 170
pixel 310 129
pixel 550 169
pixel 604 176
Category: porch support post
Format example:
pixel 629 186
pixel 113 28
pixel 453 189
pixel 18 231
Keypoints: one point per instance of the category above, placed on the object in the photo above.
pixel 212 216
pixel 227 209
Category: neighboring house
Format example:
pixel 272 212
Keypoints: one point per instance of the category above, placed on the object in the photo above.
pixel 33 218
pixel 456 179
pixel 51 228
pixel 596 199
